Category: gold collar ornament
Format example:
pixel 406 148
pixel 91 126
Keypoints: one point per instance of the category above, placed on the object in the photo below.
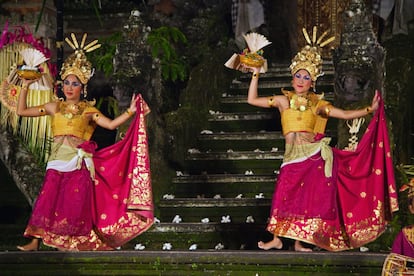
pixel 309 57
pixel 77 63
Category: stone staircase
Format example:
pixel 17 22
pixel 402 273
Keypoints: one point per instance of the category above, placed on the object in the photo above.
pixel 240 139
pixel 223 197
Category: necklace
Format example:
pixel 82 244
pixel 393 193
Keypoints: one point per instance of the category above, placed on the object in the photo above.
pixel 300 103
pixel 69 110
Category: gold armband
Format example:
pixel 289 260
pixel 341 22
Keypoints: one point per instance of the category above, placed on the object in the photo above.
pixel 368 109
pixel 270 101
pixel 255 75
pixel 95 117
pixel 42 110
pixel 129 112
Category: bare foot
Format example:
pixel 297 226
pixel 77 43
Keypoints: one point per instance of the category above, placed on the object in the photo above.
pixel 300 248
pixel 275 243
pixel 31 246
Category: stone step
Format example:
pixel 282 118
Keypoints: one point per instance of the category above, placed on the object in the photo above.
pixel 225 185
pixel 205 235
pixel 268 120
pixel 196 263
pixel 196 209
pixel 264 162
pixel 241 141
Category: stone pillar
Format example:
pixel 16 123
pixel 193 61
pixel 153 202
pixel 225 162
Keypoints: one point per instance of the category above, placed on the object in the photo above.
pixel 359 65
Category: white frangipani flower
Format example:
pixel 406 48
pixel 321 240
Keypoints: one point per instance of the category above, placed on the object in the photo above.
pixel 363 249
pixel 168 196
pixel 219 246
pixel 260 195
pixel 206 131
pixel 274 150
pixel 139 246
pixel 217 196
pixel 193 150
pixel 167 246
pixel 250 219
pixel 177 219
pixel 205 220
pixel 239 196
pixel 156 220
pixel 179 173
pixel 193 247
pixel 225 219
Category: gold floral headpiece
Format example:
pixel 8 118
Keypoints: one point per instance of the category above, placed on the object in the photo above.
pixel 410 187
pixel 309 58
pixel 77 63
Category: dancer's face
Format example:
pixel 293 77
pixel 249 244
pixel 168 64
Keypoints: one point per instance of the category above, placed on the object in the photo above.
pixel 301 82
pixel 72 88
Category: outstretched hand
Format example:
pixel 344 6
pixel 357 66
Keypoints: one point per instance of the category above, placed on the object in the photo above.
pixel 375 101
pixel 133 104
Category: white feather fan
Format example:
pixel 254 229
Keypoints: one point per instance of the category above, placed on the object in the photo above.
pixel 32 57
pixel 256 41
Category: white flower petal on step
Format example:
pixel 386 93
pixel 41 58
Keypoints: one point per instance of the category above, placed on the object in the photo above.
pixel 193 247
pixel 225 219
pixel 229 151
pixel 139 246
pixel 118 248
pixel 206 131
pixel 167 246
pixel 177 219
pixel 168 196
pixel 217 196
pixel 276 171
pixel 260 195
pixel 363 249
pixel 193 151
pixel 274 150
pixel 179 173
pixel 205 220
pixel 156 220
pixel 250 219
pixel 258 151
pixel 239 196
pixel 219 246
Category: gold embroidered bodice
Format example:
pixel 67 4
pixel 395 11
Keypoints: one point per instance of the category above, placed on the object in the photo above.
pixel 301 116
pixel 71 119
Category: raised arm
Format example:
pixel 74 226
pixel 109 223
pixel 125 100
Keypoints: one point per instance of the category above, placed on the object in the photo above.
pixel 352 114
pixel 107 123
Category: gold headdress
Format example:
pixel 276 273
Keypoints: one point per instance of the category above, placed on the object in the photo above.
pixel 410 187
pixel 309 58
pixel 77 63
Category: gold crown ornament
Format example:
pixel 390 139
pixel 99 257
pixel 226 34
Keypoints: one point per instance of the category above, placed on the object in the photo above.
pixel 309 57
pixel 77 63
pixel 251 56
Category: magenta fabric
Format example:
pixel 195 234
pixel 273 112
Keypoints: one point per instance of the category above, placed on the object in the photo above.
pixel 344 211
pixel 403 243
pixel 75 212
